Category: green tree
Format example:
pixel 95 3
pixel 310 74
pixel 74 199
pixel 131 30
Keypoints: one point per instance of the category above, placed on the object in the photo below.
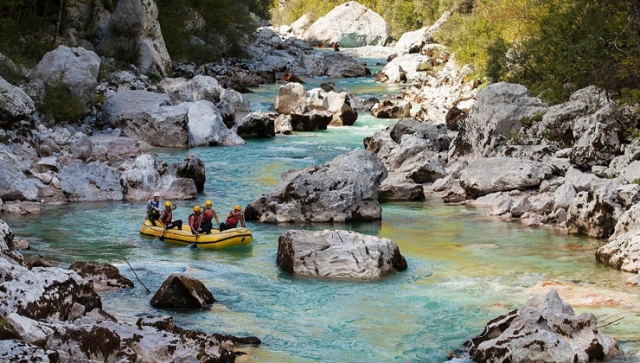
pixel 552 46
pixel 204 30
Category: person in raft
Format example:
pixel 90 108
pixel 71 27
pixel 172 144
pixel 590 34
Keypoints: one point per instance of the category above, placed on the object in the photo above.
pixel 208 215
pixel 153 208
pixel 195 220
pixel 166 217
pixel 235 216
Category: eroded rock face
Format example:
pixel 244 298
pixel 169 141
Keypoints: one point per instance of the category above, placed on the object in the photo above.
pixel 90 183
pixel 140 19
pixel 14 185
pixel 198 88
pixel 149 117
pixel 496 116
pixel 181 291
pixel 103 275
pixel 15 104
pixel 338 254
pixel 75 68
pixel 544 330
pixel 622 253
pixel 346 189
pixel 595 212
pixel 12 350
pixel 6 236
pixel 145 175
pixel 490 175
pixel 44 293
pixel 257 125
pixel 193 168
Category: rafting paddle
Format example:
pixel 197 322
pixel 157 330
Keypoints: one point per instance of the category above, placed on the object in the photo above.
pixel 163 231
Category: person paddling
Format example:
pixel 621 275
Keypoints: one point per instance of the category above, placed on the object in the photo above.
pixel 166 217
pixel 195 220
pixel 235 216
pixel 207 216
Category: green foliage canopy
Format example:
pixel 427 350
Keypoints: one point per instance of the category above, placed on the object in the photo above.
pixel 205 30
pixel 553 47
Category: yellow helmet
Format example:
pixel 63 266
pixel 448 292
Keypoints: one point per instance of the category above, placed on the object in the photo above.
pixel 208 202
pixel 238 207
pixel 167 204
pixel 196 208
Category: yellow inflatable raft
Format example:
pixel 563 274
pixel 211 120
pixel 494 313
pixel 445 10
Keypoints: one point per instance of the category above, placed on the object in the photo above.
pixel 216 239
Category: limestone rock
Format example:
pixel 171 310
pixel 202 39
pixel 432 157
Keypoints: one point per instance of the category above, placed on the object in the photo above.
pixel 622 253
pixel 338 254
pixel 351 24
pixel 15 104
pixel 14 185
pixel 345 189
pixel 103 275
pixel 490 175
pixel 90 182
pixel 75 68
pixel 544 330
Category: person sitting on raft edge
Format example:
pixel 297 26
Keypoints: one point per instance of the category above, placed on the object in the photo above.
pixel 208 215
pixel 195 220
pixel 236 215
pixel 166 217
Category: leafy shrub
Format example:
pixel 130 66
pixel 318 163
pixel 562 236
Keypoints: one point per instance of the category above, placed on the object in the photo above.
pixel 60 104
pixel 632 133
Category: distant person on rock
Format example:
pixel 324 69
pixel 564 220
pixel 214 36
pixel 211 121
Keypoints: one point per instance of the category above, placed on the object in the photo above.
pixel 335 46
pixel 207 217
pixel 166 217
pixel 235 216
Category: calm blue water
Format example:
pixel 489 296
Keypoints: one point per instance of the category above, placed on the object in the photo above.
pixel 464 268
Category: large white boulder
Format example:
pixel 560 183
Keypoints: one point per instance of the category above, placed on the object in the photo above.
pixel 15 104
pixel 351 24
pixel 75 68
pixel 345 189
pixel 338 254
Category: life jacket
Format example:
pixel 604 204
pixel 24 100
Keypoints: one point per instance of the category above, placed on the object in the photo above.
pixel 207 215
pixel 197 220
pixel 153 204
pixel 166 216
pixel 232 221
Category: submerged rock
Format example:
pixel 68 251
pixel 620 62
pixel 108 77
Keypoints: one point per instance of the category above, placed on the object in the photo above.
pixel 181 291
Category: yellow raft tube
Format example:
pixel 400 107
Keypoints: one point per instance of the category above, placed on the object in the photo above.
pixel 230 238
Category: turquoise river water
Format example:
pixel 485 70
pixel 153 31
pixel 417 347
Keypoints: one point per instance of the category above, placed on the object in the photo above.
pixel 464 268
